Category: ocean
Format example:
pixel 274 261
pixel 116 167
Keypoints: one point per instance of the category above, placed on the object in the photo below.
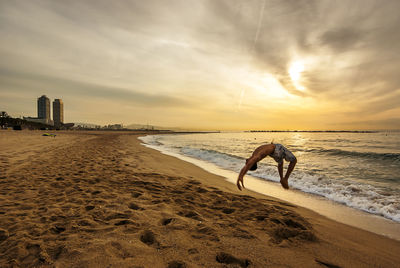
pixel 358 170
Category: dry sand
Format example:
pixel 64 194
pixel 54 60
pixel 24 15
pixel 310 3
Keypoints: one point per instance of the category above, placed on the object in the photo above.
pixel 103 200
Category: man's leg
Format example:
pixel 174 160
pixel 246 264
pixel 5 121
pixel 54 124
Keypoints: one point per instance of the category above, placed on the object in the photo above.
pixel 291 166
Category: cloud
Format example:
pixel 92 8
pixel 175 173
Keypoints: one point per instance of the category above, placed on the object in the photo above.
pixel 341 39
pixel 204 54
pixel 62 86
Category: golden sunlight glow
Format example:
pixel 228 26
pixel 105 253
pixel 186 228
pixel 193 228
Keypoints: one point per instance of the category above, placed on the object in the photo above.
pixel 273 88
pixel 261 84
pixel 295 70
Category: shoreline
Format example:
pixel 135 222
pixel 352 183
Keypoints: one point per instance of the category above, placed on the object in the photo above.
pixel 102 199
pixel 330 209
pixel 320 131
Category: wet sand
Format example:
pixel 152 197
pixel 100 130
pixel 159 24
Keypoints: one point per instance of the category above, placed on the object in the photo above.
pixel 92 199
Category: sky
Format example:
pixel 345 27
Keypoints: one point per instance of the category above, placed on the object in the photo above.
pixel 205 64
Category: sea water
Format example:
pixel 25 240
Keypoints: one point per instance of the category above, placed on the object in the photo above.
pixel 359 170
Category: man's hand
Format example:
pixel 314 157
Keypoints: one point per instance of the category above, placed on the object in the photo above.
pixel 240 180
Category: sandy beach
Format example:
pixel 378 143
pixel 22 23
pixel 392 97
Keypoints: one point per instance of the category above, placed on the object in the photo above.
pixel 101 199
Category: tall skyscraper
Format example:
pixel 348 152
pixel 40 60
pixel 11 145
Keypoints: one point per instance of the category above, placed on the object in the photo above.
pixel 44 108
pixel 58 112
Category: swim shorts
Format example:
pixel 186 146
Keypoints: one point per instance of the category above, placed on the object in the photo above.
pixel 281 153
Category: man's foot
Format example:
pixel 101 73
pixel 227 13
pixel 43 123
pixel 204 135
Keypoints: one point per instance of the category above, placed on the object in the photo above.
pixel 285 183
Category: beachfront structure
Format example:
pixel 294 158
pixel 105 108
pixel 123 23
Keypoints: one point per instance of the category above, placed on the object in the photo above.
pixel 39 120
pixel 43 109
pixel 58 113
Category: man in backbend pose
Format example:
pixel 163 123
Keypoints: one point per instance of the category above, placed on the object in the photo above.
pixel 277 152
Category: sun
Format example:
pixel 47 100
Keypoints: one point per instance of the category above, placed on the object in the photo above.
pixel 295 70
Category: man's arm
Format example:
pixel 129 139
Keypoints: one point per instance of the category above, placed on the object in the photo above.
pixel 243 171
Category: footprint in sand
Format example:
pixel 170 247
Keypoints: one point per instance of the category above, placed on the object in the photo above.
pixel 226 258
pixel 57 229
pixel 136 194
pixel 327 264
pixel 148 238
pixel 176 264
pixel 166 221
pixel 123 222
pixel 134 206
pixel 89 208
pixel 3 235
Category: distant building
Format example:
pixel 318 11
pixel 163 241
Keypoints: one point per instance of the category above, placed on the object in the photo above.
pixel 43 111
pixel 43 106
pixel 58 113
